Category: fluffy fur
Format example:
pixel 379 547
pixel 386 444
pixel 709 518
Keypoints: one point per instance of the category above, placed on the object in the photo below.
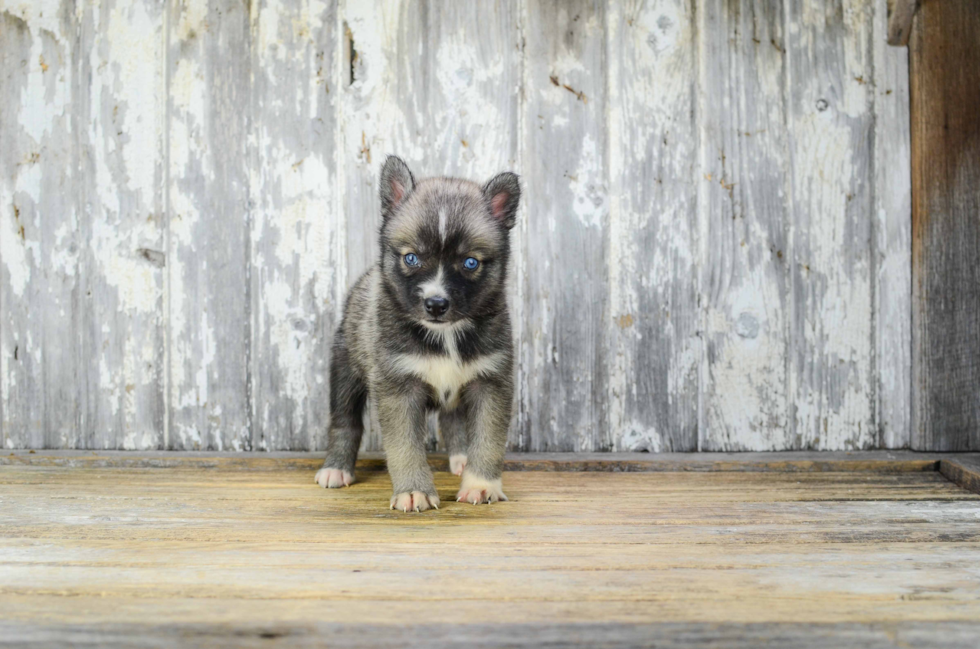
pixel 411 360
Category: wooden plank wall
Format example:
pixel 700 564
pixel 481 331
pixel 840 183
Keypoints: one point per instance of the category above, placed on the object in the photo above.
pixel 713 254
pixel 945 90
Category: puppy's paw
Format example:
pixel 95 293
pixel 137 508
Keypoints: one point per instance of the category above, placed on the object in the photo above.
pixel 457 463
pixel 332 478
pixel 414 501
pixel 476 490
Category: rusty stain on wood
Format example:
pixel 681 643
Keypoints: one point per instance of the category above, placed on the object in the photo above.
pixel 578 94
pixel 625 321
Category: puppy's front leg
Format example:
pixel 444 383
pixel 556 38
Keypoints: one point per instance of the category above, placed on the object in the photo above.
pixel 488 408
pixel 452 424
pixel 401 413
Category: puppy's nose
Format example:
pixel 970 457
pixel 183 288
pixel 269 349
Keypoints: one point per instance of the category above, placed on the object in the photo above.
pixel 436 305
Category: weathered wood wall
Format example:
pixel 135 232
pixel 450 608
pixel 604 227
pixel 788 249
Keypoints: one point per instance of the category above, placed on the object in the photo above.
pixel 945 117
pixel 714 252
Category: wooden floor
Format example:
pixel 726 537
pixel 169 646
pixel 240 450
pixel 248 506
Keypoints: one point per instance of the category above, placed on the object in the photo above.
pixel 254 554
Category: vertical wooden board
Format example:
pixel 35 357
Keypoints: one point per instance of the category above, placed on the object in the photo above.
pixel 434 83
pixel 297 234
pixel 945 124
pixel 651 321
pixel 120 103
pixel 367 46
pixel 893 237
pixel 19 380
pixel 366 77
pixel 745 277
pixel 39 237
pixel 831 125
pixel 453 97
pixel 208 209
pixel 564 148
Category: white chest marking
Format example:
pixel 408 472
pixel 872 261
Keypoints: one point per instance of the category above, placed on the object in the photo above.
pixel 447 374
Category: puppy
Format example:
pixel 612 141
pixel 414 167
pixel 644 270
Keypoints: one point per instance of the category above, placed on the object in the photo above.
pixel 427 328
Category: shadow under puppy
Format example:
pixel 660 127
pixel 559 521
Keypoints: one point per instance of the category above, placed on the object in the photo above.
pixel 427 328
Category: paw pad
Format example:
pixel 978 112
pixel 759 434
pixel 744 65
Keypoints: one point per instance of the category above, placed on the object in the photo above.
pixel 476 490
pixel 330 478
pixel 457 463
pixel 414 501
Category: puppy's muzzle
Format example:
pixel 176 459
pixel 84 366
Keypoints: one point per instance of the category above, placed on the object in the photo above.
pixel 436 306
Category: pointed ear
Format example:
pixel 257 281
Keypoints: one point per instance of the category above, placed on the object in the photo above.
pixel 503 194
pixel 397 182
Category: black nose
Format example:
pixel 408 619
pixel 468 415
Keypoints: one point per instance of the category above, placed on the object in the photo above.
pixel 436 305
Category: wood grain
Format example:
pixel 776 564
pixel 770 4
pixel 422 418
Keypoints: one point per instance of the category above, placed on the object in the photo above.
pixel 742 192
pixel 189 187
pixel 366 73
pixel 831 198
pixel 900 15
pixel 945 227
pixel 120 116
pixel 480 635
pixel 652 318
pixel 208 230
pixel 131 551
pixel 893 240
pixel 297 238
pixel 40 355
pixel 564 272
pixel 964 471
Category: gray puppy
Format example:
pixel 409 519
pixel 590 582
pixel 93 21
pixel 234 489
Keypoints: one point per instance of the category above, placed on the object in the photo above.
pixel 427 328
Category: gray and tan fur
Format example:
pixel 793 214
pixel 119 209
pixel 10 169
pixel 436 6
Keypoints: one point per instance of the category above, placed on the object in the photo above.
pixel 433 336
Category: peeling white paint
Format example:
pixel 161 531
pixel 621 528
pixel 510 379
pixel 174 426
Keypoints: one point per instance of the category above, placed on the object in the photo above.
pixel 637 437
pixel 652 215
pixel 137 39
pixel 588 185
pixel 18 254
pixel 295 234
pixel 833 355
pixel 192 20
pixel 641 186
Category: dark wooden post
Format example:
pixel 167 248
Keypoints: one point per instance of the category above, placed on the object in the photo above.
pixel 944 65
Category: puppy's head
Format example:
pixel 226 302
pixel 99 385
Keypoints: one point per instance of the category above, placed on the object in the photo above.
pixel 444 243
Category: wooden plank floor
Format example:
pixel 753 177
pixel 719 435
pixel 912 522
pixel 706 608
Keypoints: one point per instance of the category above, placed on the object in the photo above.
pixel 228 556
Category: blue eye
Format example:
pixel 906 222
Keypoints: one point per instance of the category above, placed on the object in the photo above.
pixel 470 263
pixel 412 259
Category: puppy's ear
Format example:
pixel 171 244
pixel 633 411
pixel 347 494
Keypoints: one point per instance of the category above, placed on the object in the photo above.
pixel 397 182
pixel 503 194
